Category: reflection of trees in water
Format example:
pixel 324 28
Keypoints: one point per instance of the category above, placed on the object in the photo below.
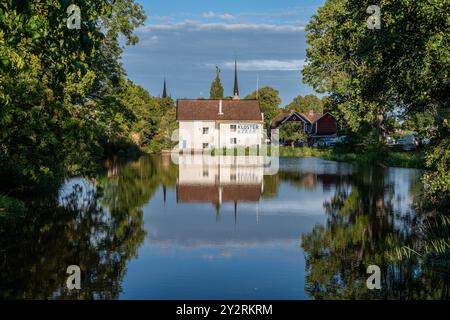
pixel 37 249
pixel 307 180
pixel 363 229
pixel 98 228
pixel 135 183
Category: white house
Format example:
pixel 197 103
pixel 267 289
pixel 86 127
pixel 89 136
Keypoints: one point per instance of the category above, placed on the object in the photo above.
pixel 224 123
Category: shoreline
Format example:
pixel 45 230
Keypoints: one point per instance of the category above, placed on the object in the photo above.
pixel 399 159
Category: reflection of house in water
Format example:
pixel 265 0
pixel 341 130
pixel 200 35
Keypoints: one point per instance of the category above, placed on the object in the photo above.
pixel 220 179
pixel 310 180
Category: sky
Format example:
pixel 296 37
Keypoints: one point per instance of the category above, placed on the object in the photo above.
pixel 183 41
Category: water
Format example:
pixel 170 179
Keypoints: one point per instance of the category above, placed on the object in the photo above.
pixel 224 228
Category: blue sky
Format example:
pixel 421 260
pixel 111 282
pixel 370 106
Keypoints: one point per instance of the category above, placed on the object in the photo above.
pixel 184 41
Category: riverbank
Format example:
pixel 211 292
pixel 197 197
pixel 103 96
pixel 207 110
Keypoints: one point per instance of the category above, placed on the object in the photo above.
pixel 412 159
pixel 393 158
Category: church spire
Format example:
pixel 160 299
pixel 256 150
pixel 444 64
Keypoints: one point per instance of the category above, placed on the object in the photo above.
pixel 164 95
pixel 236 86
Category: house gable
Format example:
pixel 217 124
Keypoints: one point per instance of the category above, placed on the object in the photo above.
pixel 295 117
pixel 326 124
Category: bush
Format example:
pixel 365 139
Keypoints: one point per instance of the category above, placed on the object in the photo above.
pixel 10 207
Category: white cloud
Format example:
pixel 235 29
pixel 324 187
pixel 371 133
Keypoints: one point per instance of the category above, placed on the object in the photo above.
pixel 265 65
pixel 190 25
pixel 150 40
pixel 224 16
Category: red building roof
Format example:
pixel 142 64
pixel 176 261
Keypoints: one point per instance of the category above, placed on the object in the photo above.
pixel 234 110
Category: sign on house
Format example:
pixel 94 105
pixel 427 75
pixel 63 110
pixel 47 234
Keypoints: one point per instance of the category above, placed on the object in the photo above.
pixel 247 128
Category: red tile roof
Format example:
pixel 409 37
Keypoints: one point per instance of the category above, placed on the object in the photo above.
pixel 246 110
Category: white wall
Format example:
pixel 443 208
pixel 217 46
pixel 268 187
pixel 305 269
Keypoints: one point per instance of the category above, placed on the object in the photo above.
pixel 191 134
pixel 247 138
pixel 222 170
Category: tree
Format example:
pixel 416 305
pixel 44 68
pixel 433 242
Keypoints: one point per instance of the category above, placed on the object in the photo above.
pixel 269 100
pixel 59 88
pixel 167 126
pixel 421 122
pixel 372 74
pixel 216 91
pixel 293 133
pixel 305 104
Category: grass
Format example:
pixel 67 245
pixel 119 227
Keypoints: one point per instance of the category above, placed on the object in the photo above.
pixel 392 157
pixel 413 159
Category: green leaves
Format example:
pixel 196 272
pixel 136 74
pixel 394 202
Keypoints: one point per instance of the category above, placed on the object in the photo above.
pixel 372 75
pixel 54 82
pixel 216 91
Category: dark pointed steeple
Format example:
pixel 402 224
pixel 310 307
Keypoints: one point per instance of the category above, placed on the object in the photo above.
pixel 236 85
pixel 164 95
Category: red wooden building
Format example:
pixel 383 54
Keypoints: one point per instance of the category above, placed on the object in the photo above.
pixel 314 124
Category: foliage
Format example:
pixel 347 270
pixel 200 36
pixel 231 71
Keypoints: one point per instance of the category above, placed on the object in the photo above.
pixel 147 112
pixel 423 123
pixel 293 133
pixel 163 137
pixel 216 91
pixel 59 88
pixel 370 75
pixel 438 181
pixel 392 159
pixel 269 100
pixel 10 207
pixel 305 104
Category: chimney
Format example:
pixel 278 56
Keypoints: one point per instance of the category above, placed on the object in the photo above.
pixel 311 113
pixel 326 110
pixel 220 107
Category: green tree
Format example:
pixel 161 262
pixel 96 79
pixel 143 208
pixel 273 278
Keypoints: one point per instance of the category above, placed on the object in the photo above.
pixel 60 88
pixel 372 74
pixel 293 133
pixel 147 112
pixel 167 126
pixel 216 91
pixel 269 100
pixel 305 104
pixel 421 122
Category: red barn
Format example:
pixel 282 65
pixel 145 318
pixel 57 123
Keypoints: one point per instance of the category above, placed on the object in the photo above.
pixel 314 124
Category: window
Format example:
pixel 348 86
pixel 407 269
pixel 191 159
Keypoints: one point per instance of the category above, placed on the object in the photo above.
pixel 205 130
pixel 233 140
pixel 205 173
pixel 205 145
pixel 233 128
pixel 233 177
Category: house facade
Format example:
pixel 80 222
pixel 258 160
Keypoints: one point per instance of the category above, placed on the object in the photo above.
pixel 315 125
pixel 208 124
pixel 222 123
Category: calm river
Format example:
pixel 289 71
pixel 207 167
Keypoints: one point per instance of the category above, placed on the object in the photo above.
pixel 224 228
